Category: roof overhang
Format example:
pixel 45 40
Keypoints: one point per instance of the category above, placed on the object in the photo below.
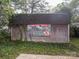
pixel 25 19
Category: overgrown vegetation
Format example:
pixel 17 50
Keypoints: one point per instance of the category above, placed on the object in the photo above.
pixel 3 35
pixel 74 31
pixel 11 49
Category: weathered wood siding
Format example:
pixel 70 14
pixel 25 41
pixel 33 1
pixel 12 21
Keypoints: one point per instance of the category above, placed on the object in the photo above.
pixel 15 33
pixel 59 33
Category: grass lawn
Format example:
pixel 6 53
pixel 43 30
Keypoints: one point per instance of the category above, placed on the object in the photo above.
pixel 11 49
pixel 75 41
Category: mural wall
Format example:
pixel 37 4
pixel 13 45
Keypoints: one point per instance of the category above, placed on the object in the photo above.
pixel 39 30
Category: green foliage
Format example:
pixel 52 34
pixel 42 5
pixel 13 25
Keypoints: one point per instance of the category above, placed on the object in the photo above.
pixel 72 31
pixel 3 35
pixel 75 41
pixel 31 6
pixel 76 31
pixel 5 12
pixel 74 3
pixel 73 6
pixel 11 49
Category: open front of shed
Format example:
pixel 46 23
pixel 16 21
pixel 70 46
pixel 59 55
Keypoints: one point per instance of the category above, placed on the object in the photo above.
pixel 52 28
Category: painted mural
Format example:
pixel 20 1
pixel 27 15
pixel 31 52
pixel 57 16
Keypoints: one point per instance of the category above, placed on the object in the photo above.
pixel 39 30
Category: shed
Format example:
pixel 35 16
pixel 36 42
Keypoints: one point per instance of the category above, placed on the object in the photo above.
pixel 52 28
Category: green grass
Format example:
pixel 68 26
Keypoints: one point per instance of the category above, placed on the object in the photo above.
pixel 10 50
pixel 75 41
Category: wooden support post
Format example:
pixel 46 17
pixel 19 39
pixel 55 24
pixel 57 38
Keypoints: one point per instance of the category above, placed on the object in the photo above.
pixel 22 33
pixel 68 32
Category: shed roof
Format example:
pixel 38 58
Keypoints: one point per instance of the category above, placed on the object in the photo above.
pixel 24 19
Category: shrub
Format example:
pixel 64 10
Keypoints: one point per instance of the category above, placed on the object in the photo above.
pixel 72 31
pixel 4 36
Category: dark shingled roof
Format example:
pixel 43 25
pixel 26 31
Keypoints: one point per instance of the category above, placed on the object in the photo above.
pixel 24 19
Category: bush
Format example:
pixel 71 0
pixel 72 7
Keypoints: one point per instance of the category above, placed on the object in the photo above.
pixel 77 31
pixel 74 31
pixel 4 36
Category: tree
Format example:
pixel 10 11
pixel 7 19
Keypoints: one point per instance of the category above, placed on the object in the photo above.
pixel 31 6
pixel 62 6
pixel 75 10
pixel 5 12
pixel 72 5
